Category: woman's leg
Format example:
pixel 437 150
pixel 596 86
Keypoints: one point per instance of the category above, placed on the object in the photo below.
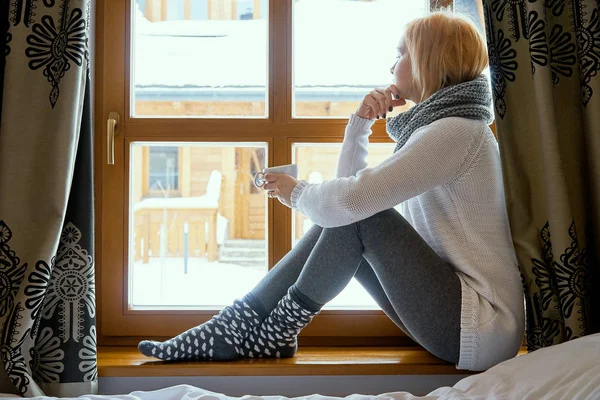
pixel 221 337
pixel 368 279
pixel 265 295
pixel 422 288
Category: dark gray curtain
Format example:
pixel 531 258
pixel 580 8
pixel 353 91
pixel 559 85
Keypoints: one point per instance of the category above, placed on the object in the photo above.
pixel 544 61
pixel 47 293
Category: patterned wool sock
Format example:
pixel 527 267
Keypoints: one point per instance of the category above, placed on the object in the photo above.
pixel 277 334
pixel 219 339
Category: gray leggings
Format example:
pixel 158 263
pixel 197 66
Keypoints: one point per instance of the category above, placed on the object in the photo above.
pixel 418 290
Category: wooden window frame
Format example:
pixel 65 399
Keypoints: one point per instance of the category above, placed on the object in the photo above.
pixel 117 323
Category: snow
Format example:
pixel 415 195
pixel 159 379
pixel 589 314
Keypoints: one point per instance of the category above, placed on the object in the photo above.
pixel 194 203
pixel 337 43
pixel 162 283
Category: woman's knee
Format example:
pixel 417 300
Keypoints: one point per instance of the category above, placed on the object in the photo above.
pixel 314 230
pixel 385 215
pixel 383 219
pixel 350 228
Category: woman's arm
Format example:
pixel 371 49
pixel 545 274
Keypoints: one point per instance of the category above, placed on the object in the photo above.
pixel 375 104
pixel 353 156
pixel 433 156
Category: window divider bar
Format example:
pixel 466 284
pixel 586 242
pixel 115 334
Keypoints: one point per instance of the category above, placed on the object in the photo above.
pixel 281 221
pixel 280 26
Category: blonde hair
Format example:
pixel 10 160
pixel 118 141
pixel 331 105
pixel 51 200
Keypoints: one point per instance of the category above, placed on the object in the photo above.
pixel 444 49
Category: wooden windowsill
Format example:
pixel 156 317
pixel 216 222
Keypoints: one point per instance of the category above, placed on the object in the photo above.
pixel 127 362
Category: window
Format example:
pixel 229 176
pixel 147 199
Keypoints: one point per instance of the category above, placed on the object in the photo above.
pixel 473 9
pixel 199 58
pixel 210 92
pixel 337 59
pixel 163 170
pixel 184 249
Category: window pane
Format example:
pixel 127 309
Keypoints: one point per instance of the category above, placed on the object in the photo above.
pixel 343 49
pixel 472 9
pixel 317 162
pixel 199 58
pixel 163 168
pixel 203 245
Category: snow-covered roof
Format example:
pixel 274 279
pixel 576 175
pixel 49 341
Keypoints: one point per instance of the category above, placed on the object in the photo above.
pixel 339 46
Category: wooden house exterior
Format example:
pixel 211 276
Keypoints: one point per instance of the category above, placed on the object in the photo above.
pixel 239 201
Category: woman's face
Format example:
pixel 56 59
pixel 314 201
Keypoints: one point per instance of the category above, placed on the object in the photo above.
pixel 401 71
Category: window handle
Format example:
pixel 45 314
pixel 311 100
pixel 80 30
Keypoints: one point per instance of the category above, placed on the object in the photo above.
pixel 112 129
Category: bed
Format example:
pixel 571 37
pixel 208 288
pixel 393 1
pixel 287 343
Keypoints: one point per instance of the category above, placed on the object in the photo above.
pixel 567 371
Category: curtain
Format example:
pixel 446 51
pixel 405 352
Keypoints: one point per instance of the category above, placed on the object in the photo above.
pixel 47 294
pixel 544 61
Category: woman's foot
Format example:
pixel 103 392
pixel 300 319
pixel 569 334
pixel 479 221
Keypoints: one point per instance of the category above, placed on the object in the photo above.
pixel 219 339
pixel 277 334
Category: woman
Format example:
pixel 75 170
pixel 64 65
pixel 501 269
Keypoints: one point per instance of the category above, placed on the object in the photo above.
pixel 444 269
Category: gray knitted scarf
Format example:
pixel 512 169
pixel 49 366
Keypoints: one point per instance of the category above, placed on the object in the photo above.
pixel 470 99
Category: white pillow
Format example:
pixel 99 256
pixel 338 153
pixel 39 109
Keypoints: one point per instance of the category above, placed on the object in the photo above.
pixel 569 370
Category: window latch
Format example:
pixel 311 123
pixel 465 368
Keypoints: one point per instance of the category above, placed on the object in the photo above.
pixel 112 129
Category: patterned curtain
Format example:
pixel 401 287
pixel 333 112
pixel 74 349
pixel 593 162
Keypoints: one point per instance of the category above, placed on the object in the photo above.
pixel 544 62
pixel 47 295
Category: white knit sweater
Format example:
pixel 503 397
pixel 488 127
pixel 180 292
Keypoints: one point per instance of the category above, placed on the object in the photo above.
pixel 448 180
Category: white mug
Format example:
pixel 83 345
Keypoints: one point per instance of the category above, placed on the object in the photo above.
pixel 289 169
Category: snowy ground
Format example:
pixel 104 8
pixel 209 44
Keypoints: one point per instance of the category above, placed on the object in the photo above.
pixel 211 285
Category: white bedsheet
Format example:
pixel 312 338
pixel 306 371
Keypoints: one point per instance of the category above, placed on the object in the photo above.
pixel 567 371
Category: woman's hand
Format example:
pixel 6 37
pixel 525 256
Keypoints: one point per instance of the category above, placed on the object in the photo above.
pixel 376 104
pixel 280 186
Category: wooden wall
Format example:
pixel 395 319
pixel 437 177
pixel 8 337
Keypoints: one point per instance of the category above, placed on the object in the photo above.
pixel 156 10
pixel 240 108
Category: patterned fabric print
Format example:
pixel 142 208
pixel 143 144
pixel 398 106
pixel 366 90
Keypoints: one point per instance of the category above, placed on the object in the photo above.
pixel 47 301
pixel 15 332
pixel 543 334
pixel 22 11
pixel 562 53
pixel 502 60
pixel 11 273
pixel 7 42
pixel 563 38
pixel 47 358
pixel 71 291
pixel 515 13
pixel 560 287
pixel 54 47
pixel 219 339
pixel 572 278
pixel 557 50
pixel 587 32
pixel 277 334
pixel 88 355
pixel 559 46
pixel 538 42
